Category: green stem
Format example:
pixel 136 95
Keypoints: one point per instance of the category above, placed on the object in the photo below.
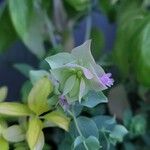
pixel 78 129
pixel 48 22
pixel 108 144
pixel 88 25
pixel 50 31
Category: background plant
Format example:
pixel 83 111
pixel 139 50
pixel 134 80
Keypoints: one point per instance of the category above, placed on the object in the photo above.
pixel 46 28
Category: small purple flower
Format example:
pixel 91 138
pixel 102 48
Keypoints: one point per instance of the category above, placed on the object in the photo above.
pixel 63 102
pixel 107 80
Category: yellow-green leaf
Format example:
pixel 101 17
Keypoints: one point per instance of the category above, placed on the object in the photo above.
pixel 37 99
pixel 34 134
pixel 40 142
pixel 3 126
pixel 59 119
pixel 3 144
pixel 14 109
pixel 3 93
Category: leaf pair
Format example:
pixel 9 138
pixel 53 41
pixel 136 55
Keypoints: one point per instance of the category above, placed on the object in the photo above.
pixel 35 135
pixel 92 143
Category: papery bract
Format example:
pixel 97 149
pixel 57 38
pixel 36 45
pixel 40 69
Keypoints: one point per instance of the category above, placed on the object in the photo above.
pixel 77 72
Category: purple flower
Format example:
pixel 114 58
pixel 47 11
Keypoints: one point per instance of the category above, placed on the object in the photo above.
pixel 106 79
pixel 63 102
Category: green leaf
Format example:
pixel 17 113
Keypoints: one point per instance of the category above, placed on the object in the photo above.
pixel 85 125
pixel 138 125
pixel 34 135
pixel 78 141
pixel 6 27
pixel 79 5
pixel 92 143
pixel 136 29
pixel 66 142
pixel 36 75
pixel 3 93
pixel 14 109
pixel 69 84
pixel 117 134
pixel 127 116
pixel 53 100
pixel 94 98
pixel 25 90
pixel 37 99
pixel 40 141
pixel 105 122
pixel 29 24
pixel 14 134
pixel 77 109
pixel 23 68
pixel 59 119
pixel 143 63
pixel 4 144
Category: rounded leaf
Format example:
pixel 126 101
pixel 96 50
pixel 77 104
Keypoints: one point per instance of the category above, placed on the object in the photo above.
pixel 87 127
pixel 92 143
pixel 14 134
pixel 3 93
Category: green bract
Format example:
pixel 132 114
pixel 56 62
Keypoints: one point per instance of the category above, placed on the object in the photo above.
pixel 76 72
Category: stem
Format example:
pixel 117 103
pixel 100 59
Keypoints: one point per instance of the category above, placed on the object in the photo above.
pixel 78 129
pixel 50 31
pixel 88 27
pixel 48 23
pixel 108 144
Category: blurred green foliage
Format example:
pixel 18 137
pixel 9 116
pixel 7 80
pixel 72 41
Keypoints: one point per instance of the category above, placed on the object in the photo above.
pixel 46 27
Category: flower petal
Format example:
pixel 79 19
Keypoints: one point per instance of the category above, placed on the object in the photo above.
pixel 69 84
pixel 87 73
pixel 59 60
pixel 82 89
pixel 83 54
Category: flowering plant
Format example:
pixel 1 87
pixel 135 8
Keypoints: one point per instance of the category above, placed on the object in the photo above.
pixel 59 98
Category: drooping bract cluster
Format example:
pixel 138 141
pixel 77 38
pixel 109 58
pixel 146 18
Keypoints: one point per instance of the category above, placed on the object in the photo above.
pixel 77 73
